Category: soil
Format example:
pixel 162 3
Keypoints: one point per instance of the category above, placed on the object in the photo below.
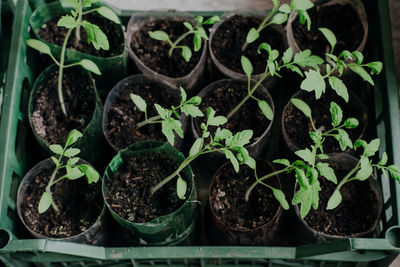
pixel 80 205
pixel 129 188
pixel 224 99
pixel 298 126
pixel 56 35
pixel 124 114
pixel 229 205
pixel 342 20
pixel 154 53
pixel 80 102
pixel 357 212
pixel 229 38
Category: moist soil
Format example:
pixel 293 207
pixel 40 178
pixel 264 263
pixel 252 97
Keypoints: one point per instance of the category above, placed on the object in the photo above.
pixel 154 53
pixel 356 214
pixel 80 102
pixel 229 205
pixel 129 188
pixel 298 126
pixel 79 203
pixel 124 114
pixel 342 20
pixel 229 38
pixel 56 35
pixel 224 99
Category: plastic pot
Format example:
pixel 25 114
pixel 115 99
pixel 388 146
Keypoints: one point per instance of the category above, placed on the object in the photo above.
pixel 292 119
pixel 94 234
pixel 91 130
pixel 189 81
pixel 224 192
pixel 342 162
pixel 168 229
pixel 119 103
pixel 227 70
pixel 113 68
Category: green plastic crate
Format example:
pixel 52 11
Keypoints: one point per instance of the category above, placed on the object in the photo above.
pixel 15 162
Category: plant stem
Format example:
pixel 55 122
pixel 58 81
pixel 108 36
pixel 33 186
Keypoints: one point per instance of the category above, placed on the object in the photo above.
pixel 345 179
pixel 148 121
pixel 60 73
pixel 174 44
pixel 78 28
pixel 248 192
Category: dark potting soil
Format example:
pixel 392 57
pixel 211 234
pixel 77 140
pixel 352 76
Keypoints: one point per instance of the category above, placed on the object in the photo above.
pixel 79 203
pixel 298 126
pixel 229 38
pixel 342 20
pixel 79 98
pixel 228 202
pixel 124 115
pixel 224 99
pixel 154 54
pixel 129 188
pixel 56 35
pixel 356 214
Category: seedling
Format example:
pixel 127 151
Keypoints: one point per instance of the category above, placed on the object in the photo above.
pixel 315 81
pixel 94 35
pixel 68 160
pixel 170 118
pixel 198 34
pixel 279 15
pixel 223 141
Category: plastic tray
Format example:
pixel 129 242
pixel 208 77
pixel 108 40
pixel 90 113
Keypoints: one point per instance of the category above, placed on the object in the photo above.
pixel 15 160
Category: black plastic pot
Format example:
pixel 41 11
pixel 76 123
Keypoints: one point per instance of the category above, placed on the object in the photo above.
pixel 189 81
pixel 94 235
pixel 92 136
pixel 120 93
pixel 241 234
pixel 113 68
pixel 295 137
pixel 342 162
pixel 168 229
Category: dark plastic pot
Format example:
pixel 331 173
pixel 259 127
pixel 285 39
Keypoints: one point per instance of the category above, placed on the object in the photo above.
pixel 92 136
pixel 169 229
pixel 224 234
pixel 308 234
pixel 124 88
pixel 290 136
pixel 94 235
pixel 189 81
pixel 112 68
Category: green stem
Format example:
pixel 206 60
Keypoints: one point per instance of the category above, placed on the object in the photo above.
pixel 248 192
pixel 78 28
pixel 148 121
pixel 345 179
pixel 174 44
pixel 60 73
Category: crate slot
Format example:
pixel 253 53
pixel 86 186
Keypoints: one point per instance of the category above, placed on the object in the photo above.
pixel 20 141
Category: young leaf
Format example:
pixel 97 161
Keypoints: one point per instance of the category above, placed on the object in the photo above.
pixel 394 171
pixel 181 188
pixel 322 156
pixel 252 35
pixel 365 171
pixel 196 147
pixel 376 67
pixel 222 134
pixel 295 69
pixel 73 173
pixel 350 123
pixel 72 161
pixel 159 35
pixel 282 161
pixel 55 160
pixel 302 106
pixel 57 149
pixel 202 33
pixel 196 42
pixel 108 14
pixel 304 198
pixel 285 8
pixel 188 25
pixel 212 20
pixel 279 18
pixel 287 55
pixel 305 59
pixel 330 36
pixel 45 202
pixel 214 121
pixel 39 46
pixel 344 139
pixel 359 57
pixel 251 163
pixel 67 22
pixel 306 155
pixel 90 66
pixel 139 102
pixel 334 200
pixel 91 174
pixel 336 114
pixel 302 178
pixel 183 94
pixel 280 196
pixel 372 148
pixel 95 36
pixel 240 139
pixel 70 152
pixel 229 155
pixel 266 109
pixel 326 171
pixel 161 111
pixel 195 100
pixel 191 110
pixel 246 66
pixel 301 4
pixel 339 87
pixel 73 136
pixel 169 126
pixel 186 53
pixel 199 20
pixel 384 159
pixel 314 82
pixel 361 72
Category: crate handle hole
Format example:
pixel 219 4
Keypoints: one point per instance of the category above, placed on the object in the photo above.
pixel 4 238
pixel 393 236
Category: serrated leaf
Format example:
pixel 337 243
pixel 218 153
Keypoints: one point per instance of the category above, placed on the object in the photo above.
pixel 90 66
pixel 95 36
pixel 334 200
pixel 302 178
pixel 361 72
pixel 351 123
pixel 91 174
pixel 344 139
pixel 169 126
pixel 306 155
pixel 295 69
pixel 186 53
pixel 214 121
pixel 384 159
pixel 282 161
pixel 39 46
pixel 108 13
pixel 302 106
pixel 212 20
pixel 196 147
pixel 188 25
pixel 336 114
pixel 241 139
pixel 252 35
pixel 394 171
pixel 330 36
pixel 67 21
pixel 366 170
pixel 316 137
pixel 71 152
pixel 339 87
pixel 305 59
pixel 199 20
pixel 246 66
pixel 285 8
pixel 183 94
pixel 161 111
pixel 181 188
pixel 159 35
pixel 372 148
pixel 139 102
pixel 73 173
pixel 280 196
pixel 287 55
pixel 222 134
pixel 326 171
pixel 314 82
pixel 73 136
pixel 45 202
pixel 266 109
pixel 57 149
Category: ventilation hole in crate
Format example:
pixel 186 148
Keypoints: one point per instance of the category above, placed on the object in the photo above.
pixel 385 188
pixel 393 236
pixel 20 142
pixel 26 89
pixel 4 238
pixel 388 213
pixel 12 214
pixel 14 186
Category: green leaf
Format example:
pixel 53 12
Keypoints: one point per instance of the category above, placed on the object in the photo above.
pixel 73 173
pixel 302 106
pixel 287 55
pixel 295 69
pixel 251 163
pixel 240 139
pixel 91 174
pixel 199 20
pixel 246 66
pixel 109 14
pixel 334 200
pixel 71 152
pixel 306 155
pixel 196 147
pixel 384 159
pixel 159 35
pixel 191 110
pixel 229 155
pixel 161 111
pixel 264 46
pixel 372 148
pixel 88 3
pixel 376 67
pixel 305 59
pixel 67 21
pixel 361 72
pixel 366 169
pixel 55 160
pixel 181 188
pixel 186 53
pixel 57 149
pixel 336 114
pixel 212 20
pixel 188 25
pixel 282 161
pixel 314 82
pixel 316 137
pixel 279 18
pixel 345 54
pixel 304 198
pixel 95 36
pixel 196 42
pixel 326 171
pixel 330 36
pixel 139 102
pixel 73 136
pixel 72 161
pixel 90 66
pixel 266 109
pixel 394 171
pixel 214 121
pixel 222 134
pixel 280 196
pixel 195 100
pixel 322 156
pixel 39 46
pixel 183 94
pixel 285 8
pixel 301 4
pixel 302 178
pixel 45 202
pixel 359 57
pixel 252 35
pixel 344 139
pixel 169 126
pixel 339 87
pixel 72 3
pixel 350 123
